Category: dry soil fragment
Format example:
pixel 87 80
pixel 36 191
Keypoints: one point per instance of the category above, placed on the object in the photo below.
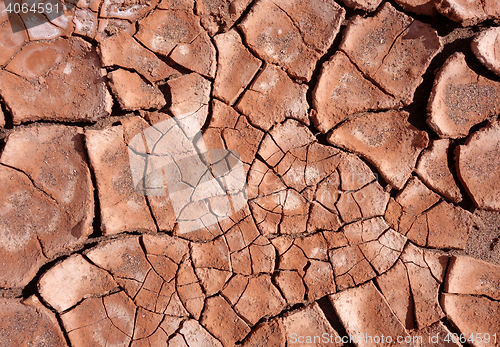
pixel 479 168
pixel 122 9
pixel 291 285
pixel 365 5
pixel 364 310
pixel 395 287
pixel 195 335
pixel 432 168
pixel 55 160
pixel 385 48
pixel 342 90
pixel 198 56
pixel 28 323
pixel 471 314
pixel 236 66
pixel 190 94
pixel 63 81
pixel 467 275
pixel 309 323
pixel 162 30
pixel 110 27
pixel 283 38
pixel 2 118
pixel 385 139
pixel 267 334
pixel 122 50
pixel 424 284
pixel 486 47
pixel 219 15
pixel 133 93
pixel 425 7
pixel 11 41
pixel 469 13
pixel 259 299
pixel 221 320
pixel 85 22
pixel 122 207
pixel 460 99
pixel 71 280
pixel 101 321
pixel 272 97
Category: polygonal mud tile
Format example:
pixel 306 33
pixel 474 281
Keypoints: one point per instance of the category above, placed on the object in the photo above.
pixel 123 50
pixel 198 56
pixel 309 326
pixel 11 41
pixel 424 7
pixel 236 66
pixel 485 46
pixel 467 275
pixel 432 168
pixel 129 10
pixel 270 333
pixel 122 207
pixel 469 13
pixel 72 280
pixel 365 314
pixel 133 93
pixel 272 97
pixel 342 90
pixel 385 139
pixel 279 34
pixel 85 22
pixel 63 79
pixel 365 5
pixel 383 46
pixel 162 30
pixel 471 314
pixel 460 99
pixel 29 323
pixel 478 167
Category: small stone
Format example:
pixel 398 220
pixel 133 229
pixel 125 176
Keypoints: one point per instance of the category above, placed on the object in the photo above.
pixel 122 50
pixel 460 99
pixel 122 208
pixel 385 139
pixel 478 166
pixel 364 309
pixel 272 97
pixel 432 169
pixel 161 31
pixel 236 66
pixel 28 323
pixel 467 275
pixel 72 280
pixel 486 48
pixel 309 322
pixel 72 88
pixel 342 90
pixel 198 56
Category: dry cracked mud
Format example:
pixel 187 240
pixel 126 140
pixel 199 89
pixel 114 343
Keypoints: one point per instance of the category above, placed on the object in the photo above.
pixel 250 173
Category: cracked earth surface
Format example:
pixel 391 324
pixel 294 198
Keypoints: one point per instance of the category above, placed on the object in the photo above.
pixel 367 134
